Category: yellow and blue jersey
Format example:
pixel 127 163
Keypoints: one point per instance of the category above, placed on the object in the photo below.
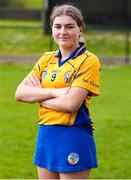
pixel 81 69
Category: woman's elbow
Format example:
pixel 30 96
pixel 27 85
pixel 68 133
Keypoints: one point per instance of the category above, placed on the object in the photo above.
pixel 72 108
pixel 19 94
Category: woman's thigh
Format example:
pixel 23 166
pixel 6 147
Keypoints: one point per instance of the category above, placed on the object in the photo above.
pixel 46 174
pixel 75 175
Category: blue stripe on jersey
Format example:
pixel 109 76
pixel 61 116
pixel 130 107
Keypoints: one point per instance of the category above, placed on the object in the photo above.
pixel 83 116
pixel 76 53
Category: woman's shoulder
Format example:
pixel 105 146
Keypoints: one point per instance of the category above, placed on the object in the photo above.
pixel 91 57
pixel 90 54
pixel 46 56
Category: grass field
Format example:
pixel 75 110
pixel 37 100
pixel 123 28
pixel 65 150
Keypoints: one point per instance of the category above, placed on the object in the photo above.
pixel 27 37
pixel 111 112
pixel 31 4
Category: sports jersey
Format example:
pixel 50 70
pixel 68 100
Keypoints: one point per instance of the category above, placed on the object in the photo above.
pixel 80 69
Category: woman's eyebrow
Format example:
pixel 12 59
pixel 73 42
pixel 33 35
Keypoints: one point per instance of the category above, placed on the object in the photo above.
pixel 69 24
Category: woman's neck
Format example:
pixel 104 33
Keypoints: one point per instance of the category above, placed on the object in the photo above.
pixel 65 53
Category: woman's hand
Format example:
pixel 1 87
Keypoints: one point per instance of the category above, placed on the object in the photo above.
pixel 30 90
pixel 57 92
pixel 68 102
pixel 33 81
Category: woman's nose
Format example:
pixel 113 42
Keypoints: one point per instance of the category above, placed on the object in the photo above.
pixel 63 30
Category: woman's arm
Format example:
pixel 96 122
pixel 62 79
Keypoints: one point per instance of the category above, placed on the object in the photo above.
pixel 30 91
pixel 69 102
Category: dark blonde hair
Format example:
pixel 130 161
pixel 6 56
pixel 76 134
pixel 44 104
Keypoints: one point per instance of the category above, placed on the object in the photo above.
pixel 68 10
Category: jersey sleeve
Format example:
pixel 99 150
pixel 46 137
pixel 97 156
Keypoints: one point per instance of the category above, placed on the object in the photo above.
pixel 36 69
pixel 88 75
pixel 40 65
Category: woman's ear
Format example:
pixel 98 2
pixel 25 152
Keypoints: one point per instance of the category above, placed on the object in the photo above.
pixel 81 31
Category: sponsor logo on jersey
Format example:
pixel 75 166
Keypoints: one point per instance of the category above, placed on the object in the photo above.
pixel 91 82
pixel 85 80
pixel 94 84
pixel 56 71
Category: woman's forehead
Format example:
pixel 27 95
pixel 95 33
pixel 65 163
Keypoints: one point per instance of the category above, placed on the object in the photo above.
pixel 64 19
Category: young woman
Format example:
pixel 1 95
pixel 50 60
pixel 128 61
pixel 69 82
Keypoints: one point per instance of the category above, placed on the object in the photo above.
pixel 63 82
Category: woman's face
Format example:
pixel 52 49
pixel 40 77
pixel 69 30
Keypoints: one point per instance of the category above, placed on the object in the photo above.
pixel 66 32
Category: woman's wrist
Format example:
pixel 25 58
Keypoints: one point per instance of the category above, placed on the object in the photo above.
pixel 57 92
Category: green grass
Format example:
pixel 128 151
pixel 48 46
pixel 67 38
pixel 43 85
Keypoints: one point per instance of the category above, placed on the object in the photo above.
pixel 33 4
pixel 17 130
pixel 106 42
pixel 111 112
pixel 19 24
pixel 27 38
pixel 30 4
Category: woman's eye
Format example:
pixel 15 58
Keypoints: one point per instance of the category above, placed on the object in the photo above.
pixel 66 27
pixel 70 27
pixel 57 27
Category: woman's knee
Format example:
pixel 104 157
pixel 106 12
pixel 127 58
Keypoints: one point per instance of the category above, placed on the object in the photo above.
pixel 44 173
pixel 76 175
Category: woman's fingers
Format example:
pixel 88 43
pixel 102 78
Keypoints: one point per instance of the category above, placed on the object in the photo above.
pixel 61 91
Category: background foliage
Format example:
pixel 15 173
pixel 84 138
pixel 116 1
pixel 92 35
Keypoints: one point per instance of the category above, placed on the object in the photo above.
pixel 35 4
pixel 27 37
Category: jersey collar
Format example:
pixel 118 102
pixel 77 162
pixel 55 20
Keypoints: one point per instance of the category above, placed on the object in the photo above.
pixel 77 52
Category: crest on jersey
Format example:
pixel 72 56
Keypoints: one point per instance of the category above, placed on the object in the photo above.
pixel 44 73
pixel 68 76
pixel 73 158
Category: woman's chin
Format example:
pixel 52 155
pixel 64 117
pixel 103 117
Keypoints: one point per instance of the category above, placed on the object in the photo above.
pixel 65 45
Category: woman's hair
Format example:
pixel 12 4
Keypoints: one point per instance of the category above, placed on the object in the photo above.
pixel 68 10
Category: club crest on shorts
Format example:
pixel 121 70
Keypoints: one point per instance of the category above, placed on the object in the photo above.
pixel 73 158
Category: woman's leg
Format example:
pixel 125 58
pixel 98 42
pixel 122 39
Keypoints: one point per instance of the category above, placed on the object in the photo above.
pixel 75 175
pixel 46 174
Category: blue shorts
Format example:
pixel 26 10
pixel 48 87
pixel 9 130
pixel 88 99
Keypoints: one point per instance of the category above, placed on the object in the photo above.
pixel 65 148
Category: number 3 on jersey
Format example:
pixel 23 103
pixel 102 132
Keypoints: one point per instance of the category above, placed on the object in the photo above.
pixel 53 77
